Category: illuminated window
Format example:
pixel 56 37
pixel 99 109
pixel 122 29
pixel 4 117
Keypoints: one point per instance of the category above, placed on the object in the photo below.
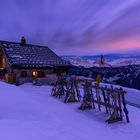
pixel 3 62
pixel 38 74
pixel 34 73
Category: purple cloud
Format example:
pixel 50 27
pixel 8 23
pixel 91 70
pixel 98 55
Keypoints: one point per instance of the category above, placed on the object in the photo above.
pixel 72 27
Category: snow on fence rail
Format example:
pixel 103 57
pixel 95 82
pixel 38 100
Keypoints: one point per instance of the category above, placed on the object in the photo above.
pixel 113 99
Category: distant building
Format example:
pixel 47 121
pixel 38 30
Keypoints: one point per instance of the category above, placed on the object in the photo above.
pixel 25 62
pixel 102 61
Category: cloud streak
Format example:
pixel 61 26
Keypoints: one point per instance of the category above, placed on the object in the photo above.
pixel 82 27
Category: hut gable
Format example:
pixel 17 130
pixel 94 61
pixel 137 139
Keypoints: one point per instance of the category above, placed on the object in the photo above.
pixel 31 56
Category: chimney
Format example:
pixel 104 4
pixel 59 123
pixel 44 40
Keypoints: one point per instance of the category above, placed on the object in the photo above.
pixel 23 40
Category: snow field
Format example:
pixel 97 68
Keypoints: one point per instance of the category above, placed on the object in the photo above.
pixel 29 112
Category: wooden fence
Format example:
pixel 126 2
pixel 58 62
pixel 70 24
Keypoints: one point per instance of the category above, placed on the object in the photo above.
pixel 84 90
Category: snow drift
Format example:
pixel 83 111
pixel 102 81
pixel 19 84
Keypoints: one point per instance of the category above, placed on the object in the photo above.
pixel 29 112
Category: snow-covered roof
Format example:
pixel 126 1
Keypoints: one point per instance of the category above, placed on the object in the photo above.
pixel 31 56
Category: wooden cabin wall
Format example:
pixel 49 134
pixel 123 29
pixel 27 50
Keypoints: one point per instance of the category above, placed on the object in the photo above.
pixel 48 76
pixel 3 60
pixel 41 73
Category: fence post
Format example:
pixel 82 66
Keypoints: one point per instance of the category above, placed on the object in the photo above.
pixel 124 104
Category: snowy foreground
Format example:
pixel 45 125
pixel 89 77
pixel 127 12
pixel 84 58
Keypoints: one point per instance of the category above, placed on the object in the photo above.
pixel 29 113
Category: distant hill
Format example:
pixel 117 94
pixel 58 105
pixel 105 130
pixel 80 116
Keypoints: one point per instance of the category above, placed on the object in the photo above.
pixel 128 76
pixel 119 69
pixel 114 60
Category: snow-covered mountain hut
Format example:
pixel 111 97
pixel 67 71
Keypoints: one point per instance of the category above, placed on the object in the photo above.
pixel 23 62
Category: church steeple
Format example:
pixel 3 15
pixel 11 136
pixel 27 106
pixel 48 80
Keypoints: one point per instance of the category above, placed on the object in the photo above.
pixel 102 61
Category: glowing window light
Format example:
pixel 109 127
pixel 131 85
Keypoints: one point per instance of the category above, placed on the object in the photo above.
pixel 34 73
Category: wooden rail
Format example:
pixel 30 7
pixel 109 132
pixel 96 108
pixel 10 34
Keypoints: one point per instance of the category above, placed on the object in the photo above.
pixel 113 99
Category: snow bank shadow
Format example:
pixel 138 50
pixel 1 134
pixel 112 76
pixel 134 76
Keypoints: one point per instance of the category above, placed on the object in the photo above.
pixel 99 116
pixel 93 114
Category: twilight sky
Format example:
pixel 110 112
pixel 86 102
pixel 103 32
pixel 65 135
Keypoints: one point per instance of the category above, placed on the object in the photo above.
pixel 73 27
